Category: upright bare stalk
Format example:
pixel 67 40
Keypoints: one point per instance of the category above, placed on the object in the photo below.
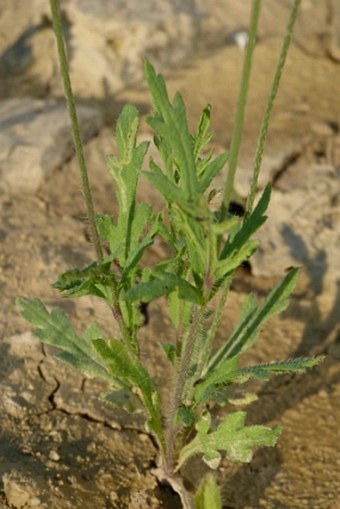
pixel 75 128
pixel 269 107
pixel 241 105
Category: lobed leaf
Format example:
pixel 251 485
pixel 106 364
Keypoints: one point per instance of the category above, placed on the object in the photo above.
pixel 253 319
pixel 116 357
pixel 232 436
pixel 123 365
pixel 229 373
pixel 125 169
pixel 55 329
pixel 212 170
pixel 170 122
pixel 263 371
pixel 110 232
pixel 170 191
pixel 92 280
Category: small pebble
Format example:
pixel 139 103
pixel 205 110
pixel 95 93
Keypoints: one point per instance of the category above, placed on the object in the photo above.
pixel 54 456
pixel 239 37
pixel 322 129
pixel 35 502
pixel 71 479
pixel 143 437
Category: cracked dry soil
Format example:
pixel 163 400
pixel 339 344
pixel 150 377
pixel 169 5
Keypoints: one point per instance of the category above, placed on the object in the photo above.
pixel 59 446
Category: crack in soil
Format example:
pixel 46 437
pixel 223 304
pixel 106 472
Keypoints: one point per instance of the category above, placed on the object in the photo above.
pixel 4 500
pixel 290 159
pixel 86 415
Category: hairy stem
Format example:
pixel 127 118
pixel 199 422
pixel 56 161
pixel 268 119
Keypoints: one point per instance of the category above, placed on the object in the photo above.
pixel 57 25
pixel 241 104
pixel 216 323
pixel 266 117
pixel 177 391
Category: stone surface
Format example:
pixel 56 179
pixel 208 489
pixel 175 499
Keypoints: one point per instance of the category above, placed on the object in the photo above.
pixel 317 30
pixel 17 19
pixel 20 493
pixel 303 227
pixel 110 40
pixel 35 138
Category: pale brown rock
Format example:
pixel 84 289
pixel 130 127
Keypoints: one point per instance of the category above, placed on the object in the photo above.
pixel 35 138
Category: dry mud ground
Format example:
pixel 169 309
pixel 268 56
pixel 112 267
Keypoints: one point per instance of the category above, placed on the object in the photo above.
pixel 59 446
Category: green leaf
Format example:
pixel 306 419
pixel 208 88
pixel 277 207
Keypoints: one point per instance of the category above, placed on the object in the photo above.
pixel 254 318
pixel 105 226
pixel 179 310
pixel 125 169
pixel 92 332
pixel 186 416
pixel 194 232
pixel 55 329
pixel 208 494
pixel 92 280
pixel 170 122
pixel 146 292
pixel 206 389
pixel 212 170
pixel 235 260
pixel 232 436
pixel 117 358
pixel 162 284
pixel 86 364
pixel 203 135
pixel 186 291
pixel 263 371
pixel 126 133
pixel 170 351
pixel 135 257
pixel 229 373
pixel 225 226
pixel 109 232
pixel 127 179
pixel 170 191
pixel 139 247
pixel 166 155
pixel 142 216
pixel 249 227
pixel 123 398
pixel 121 365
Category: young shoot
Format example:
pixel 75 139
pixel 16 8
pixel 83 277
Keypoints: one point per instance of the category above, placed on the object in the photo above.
pixel 206 246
